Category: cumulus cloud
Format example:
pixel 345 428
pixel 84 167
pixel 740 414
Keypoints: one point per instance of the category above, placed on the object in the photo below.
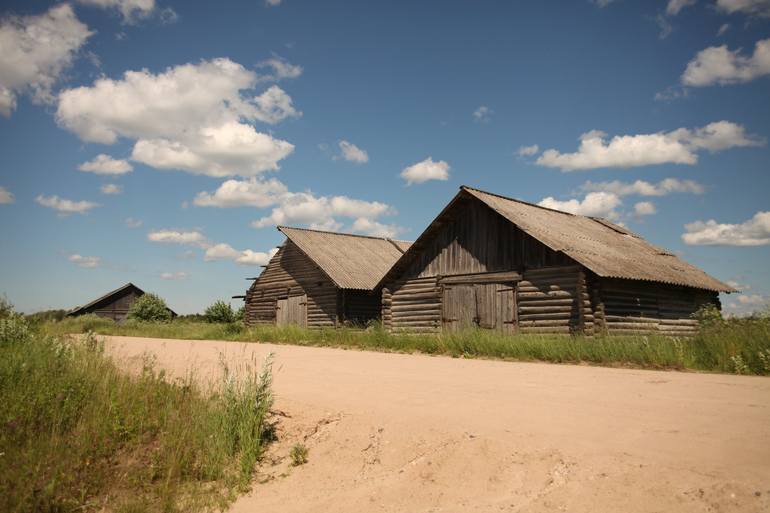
pixel 6 197
pixel 131 10
pixel 367 226
pixel 174 276
pixel 246 257
pixel 680 146
pixel 527 151
pixel 87 262
pixel 642 188
pixel 254 192
pixel 753 232
pixel 280 69
pixel 133 223
pixel 191 238
pixel 750 7
pixel 191 117
pixel 645 208
pixel 596 204
pixel 719 65
pixel 722 29
pixel 111 188
pixel 103 164
pixel 426 170
pixel 35 52
pixel 483 114
pixel 353 153
pixel 64 206
pixel 320 212
pixel 746 304
pixel 674 6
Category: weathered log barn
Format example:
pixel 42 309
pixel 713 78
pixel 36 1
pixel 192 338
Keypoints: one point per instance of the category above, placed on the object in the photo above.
pixel 322 279
pixel 502 264
pixel 113 305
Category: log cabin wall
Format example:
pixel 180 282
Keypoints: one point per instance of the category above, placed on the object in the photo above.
pixel 478 243
pixel 290 273
pixel 627 307
pixel 117 307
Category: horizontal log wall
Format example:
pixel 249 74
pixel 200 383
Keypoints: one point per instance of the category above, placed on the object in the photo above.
pixel 551 301
pixel 630 307
pixel 291 273
pixel 412 305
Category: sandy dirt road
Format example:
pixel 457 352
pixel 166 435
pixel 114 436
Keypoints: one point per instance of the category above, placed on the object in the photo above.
pixel 413 433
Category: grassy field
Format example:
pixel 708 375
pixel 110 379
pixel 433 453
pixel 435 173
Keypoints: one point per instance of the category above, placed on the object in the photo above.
pixel 740 345
pixel 79 434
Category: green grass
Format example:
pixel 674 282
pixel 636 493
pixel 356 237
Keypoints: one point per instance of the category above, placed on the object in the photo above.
pixel 740 345
pixel 298 454
pixel 77 433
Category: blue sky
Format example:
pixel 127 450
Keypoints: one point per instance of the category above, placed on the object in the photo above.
pixel 160 142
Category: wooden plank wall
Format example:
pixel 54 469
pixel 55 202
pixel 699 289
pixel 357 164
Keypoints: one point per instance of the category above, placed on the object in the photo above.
pixel 412 305
pixel 291 273
pixel 117 309
pixel 626 307
pixel 551 300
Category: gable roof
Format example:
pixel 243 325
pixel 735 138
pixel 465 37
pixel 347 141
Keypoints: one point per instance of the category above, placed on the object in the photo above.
pixel 350 261
pixel 107 296
pixel 601 246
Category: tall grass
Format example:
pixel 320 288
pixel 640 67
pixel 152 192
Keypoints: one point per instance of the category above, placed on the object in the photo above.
pixel 739 345
pixel 79 434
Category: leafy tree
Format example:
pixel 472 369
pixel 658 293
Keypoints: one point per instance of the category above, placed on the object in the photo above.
pixel 220 312
pixel 149 307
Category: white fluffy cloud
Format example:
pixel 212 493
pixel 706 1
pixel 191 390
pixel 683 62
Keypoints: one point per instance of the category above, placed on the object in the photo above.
pixel 281 69
pixel 367 226
pixel 35 52
pixel 680 146
pixel 254 192
pixel 754 232
pixel 645 208
pixel 674 6
pixel 596 204
pixel 719 65
pixel 192 238
pixel 745 304
pixel 87 262
pixel 131 10
pixel 483 114
pixel 6 197
pixel 426 170
pixel 751 7
pixel 176 276
pixel 643 188
pixel 64 206
pixel 353 153
pixel 246 257
pixel 189 117
pixel 105 165
pixel 319 212
pixel 527 151
pixel 111 188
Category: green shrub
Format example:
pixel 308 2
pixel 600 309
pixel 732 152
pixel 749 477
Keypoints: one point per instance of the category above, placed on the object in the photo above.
pixel 220 312
pixel 148 308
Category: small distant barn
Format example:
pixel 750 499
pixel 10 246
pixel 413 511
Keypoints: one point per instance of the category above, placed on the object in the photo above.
pixel 322 279
pixel 498 263
pixel 113 305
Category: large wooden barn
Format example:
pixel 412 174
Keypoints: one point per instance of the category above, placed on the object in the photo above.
pixel 322 279
pixel 502 264
pixel 113 305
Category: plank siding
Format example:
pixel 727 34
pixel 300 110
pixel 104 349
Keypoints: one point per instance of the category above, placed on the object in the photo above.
pixel 290 273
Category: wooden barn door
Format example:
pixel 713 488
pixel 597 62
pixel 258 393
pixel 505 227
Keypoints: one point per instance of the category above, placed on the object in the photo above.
pixel 458 307
pixel 485 305
pixel 292 310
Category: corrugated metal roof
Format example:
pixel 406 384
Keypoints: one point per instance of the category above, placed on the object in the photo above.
pixel 605 248
pixel 351 261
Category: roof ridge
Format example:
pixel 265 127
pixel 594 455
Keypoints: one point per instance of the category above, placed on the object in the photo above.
pixel 281 228
pixel 466 187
